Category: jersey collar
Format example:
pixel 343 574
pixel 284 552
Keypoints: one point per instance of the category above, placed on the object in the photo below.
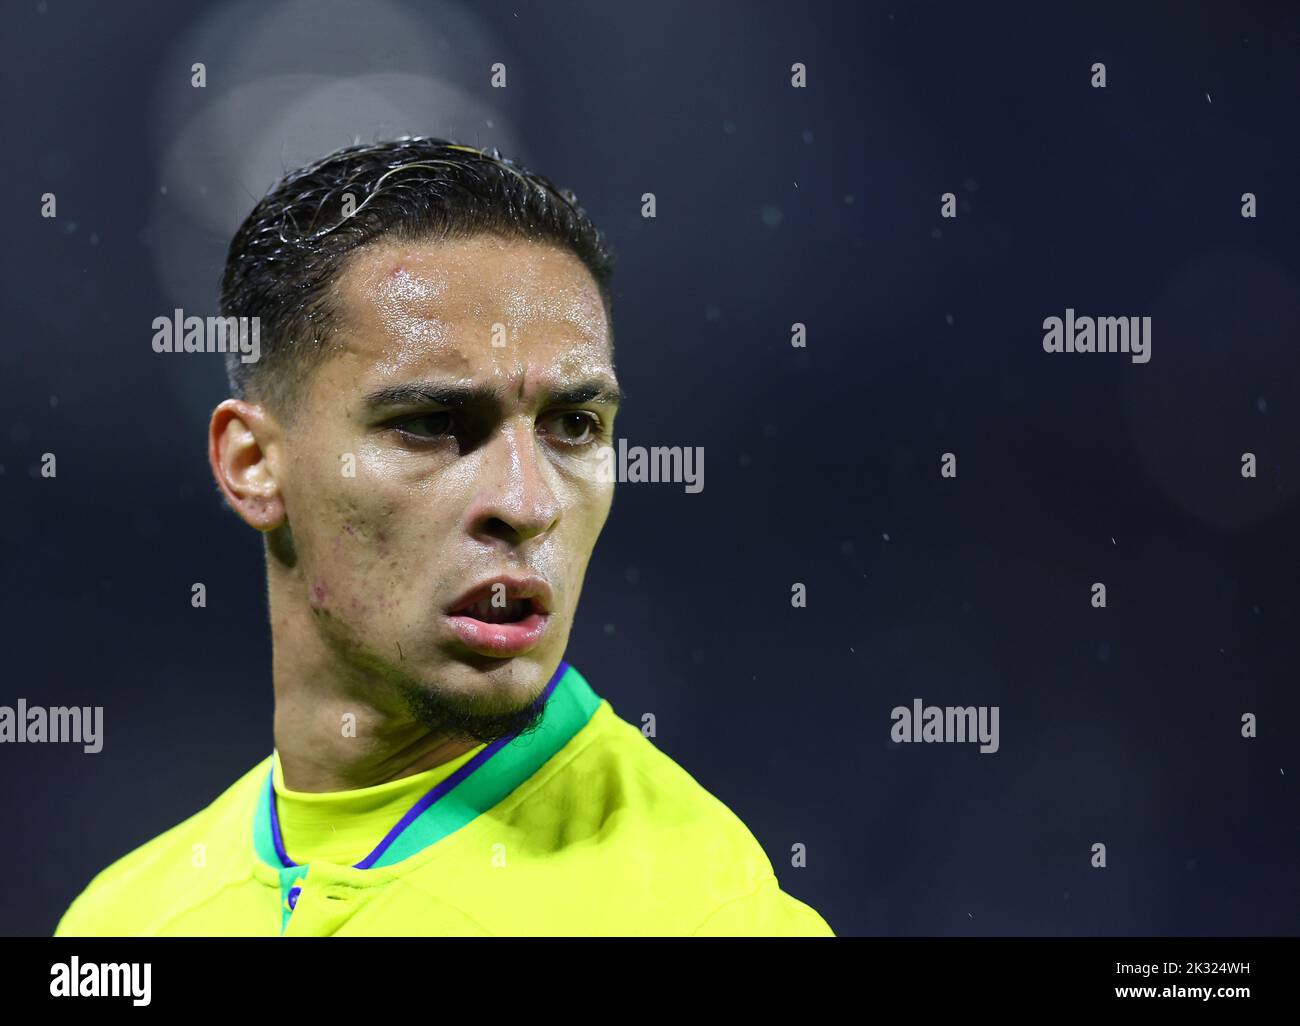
pixel 473 789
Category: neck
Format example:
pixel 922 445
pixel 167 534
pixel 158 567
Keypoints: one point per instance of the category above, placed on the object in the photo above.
pixel 338 727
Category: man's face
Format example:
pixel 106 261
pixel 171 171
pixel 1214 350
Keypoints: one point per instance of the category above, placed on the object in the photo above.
pixel 440 480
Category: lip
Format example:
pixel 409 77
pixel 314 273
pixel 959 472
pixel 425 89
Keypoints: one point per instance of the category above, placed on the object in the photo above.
pixel 503 640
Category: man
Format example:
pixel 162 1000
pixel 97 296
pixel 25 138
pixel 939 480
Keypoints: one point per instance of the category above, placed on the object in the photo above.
pixel 419 446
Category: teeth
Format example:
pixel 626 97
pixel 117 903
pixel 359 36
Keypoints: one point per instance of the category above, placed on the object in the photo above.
pixel 513 610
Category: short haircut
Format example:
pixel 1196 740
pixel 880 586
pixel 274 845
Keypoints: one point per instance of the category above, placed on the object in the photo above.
pixel 293 244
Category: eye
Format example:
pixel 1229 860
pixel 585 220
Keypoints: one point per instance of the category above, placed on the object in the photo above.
pixel 574 427
pixel 427 425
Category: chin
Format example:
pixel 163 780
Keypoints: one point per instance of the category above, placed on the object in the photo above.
pixel 519 678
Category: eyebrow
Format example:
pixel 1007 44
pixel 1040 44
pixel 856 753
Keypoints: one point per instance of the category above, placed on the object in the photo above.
pixel 434 393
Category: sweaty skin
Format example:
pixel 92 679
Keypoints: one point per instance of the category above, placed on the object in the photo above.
pixel 362 570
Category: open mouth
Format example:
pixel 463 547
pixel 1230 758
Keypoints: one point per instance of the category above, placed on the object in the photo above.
pixel 503 617
pixel 489 611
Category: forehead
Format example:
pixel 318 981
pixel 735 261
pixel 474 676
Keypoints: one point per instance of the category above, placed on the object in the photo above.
pixel 482 307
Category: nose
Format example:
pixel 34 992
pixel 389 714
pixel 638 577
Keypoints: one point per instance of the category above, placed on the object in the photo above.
pixel 516 500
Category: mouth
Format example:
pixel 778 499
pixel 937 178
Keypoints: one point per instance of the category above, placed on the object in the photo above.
pixel 502 617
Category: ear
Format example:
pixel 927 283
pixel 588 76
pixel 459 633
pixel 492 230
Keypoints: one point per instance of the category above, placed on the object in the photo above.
pixel 241 441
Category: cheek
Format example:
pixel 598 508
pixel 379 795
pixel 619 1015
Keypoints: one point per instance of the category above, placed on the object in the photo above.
pixel 361 525
pixel 587 513
pixel 380 548
pixel 347 550
pixel 597 500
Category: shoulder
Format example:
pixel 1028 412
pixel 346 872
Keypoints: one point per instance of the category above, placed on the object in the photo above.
pixel 620 759
pixel 654 818
pixel 180 868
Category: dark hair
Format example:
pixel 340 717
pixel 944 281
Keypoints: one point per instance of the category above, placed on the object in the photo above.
pixel 294 242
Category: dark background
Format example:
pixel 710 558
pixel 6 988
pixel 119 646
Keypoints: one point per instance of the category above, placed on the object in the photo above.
pixel 775 205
